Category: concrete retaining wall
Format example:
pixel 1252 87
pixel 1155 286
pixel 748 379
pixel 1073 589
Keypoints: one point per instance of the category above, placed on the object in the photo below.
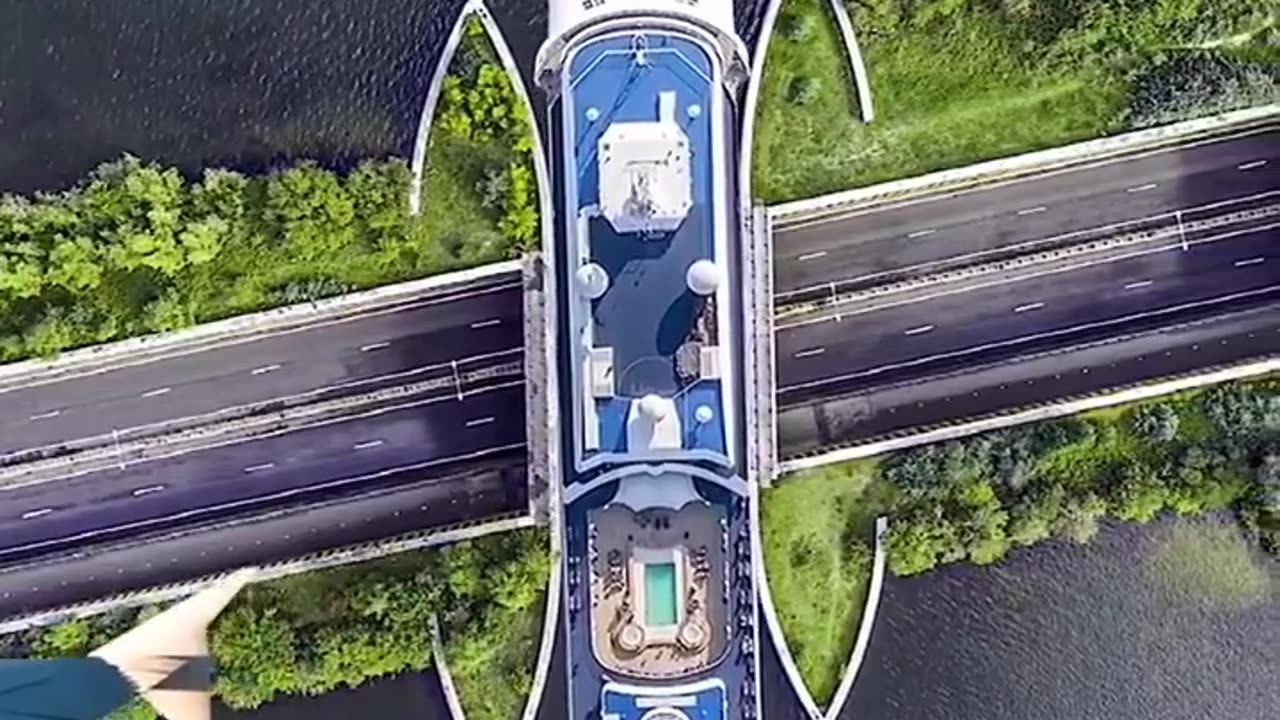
pixel 1046 412
pixel 422 142
pixel 451 699
pixel 315 561
pixel 857 68
pixel 869 610
pixel 1012 167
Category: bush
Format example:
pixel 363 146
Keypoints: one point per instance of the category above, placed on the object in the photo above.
pixel 802 90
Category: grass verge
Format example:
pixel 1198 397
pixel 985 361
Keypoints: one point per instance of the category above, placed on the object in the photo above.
pixel 959 81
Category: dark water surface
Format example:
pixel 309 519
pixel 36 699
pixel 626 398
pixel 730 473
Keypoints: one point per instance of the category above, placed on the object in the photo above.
pixel 1135 626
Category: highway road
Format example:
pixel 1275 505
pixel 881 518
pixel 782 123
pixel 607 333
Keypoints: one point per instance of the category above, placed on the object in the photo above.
pixel 810 255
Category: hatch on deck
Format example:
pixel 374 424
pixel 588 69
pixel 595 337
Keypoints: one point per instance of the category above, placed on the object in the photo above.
pixel 645 183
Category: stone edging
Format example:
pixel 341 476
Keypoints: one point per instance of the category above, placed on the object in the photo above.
pixel 1045 412
pixel 99 358
pixel 315 561
pixel 451 698
pixel 857 67
pixel 771 617
pixel 869 611
pixel 1033 162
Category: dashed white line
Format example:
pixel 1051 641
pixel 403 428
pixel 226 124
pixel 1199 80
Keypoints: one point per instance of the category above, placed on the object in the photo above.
pixel 480 421
pixel 148 490
pixel 811 352
pixel 1028 307
pixel 265 369
pixel 1252 165
pixel 1250 261
pixel 921 233
pixel 1032 211
pixel 46 415
pixel 366 445
pixel 33 514
pixel 812 256
pixel 485 323
pixel 918 330
pixel 1138 284
pixel 373 346
pixel 256 468
pixel 157 392
pixel 1143 188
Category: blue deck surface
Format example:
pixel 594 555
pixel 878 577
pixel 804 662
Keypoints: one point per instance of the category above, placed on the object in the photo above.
pixel 648 311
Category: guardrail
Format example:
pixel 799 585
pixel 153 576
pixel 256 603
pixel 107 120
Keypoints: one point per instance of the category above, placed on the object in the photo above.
pixel 835 204
pixel 362 552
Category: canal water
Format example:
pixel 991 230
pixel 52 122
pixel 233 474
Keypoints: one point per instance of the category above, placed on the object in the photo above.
pixel 1174 620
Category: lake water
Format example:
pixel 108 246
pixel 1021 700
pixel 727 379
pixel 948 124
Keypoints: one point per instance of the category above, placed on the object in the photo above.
pixel 1145 623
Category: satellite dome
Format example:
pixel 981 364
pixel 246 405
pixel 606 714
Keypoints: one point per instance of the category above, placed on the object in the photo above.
pixel 653 408
pixel 593 280
pixel 704 277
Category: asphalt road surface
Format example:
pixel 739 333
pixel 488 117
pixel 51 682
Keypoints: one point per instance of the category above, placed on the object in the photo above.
pixel 287 533
pixel 1009 319
pixel 928 230
pixel 306 465
pixel 348 356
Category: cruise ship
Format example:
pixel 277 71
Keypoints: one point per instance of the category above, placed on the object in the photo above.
pixel 660 609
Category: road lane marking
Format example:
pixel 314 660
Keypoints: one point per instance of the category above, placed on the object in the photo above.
pixel 1028 307
pixel 486 323
pixel 256 468
pixel 812 256
pixel 811 352
pixel 480 421
pixel 1250 261
pixel 148 490
pixel 373 346
pixel 1143 188
pixel 1252 165
pixel 366 445
pixel 921 233
pixel 1138 284
pixel 46 415
pixel 33 514
pixel 157 392
pixel 918 330
pixel 265 369
pixel 1032 211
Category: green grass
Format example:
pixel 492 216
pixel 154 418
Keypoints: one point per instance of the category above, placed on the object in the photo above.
pixel 956 82
pixel 817 528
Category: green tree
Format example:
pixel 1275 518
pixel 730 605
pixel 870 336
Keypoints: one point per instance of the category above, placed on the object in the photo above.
pixel 68 639
pixel 313 212
pixel 74 264
pixel 1155 423
pixel 257 654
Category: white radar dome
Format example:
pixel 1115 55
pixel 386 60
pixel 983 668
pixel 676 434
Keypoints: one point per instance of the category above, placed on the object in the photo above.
pixel 704 414
pixel 704 277
pixel 592 280
pixel 653 408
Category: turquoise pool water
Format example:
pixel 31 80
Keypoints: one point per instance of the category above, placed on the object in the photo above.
pixel 660 594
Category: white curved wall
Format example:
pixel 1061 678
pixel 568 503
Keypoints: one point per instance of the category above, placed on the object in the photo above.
pixel 565 15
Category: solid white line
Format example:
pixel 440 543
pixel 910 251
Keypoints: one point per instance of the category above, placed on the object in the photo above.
pixel 33 514
pixel 265 369
pixel 812 256
pixel 1250 261
pixel 811 352
pixel 1028 306
pixel 1252 165
pixel 486 323
pixel 921 233
pixel 1138 284
pixel 1143 188
pixel 1032 211
pixel 366 445
pixel 480 421
pixel 157 392
pixel 373 346
pixel 148 490
pixel 918 330
pixel 256 468
pixel 46 415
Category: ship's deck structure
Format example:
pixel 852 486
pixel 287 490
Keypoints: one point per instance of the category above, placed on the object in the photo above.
pixel 660 608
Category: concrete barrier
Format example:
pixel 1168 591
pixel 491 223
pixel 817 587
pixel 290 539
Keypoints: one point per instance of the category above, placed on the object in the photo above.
pixel 869 610
pixel 1077 154
pixel 451 699
pixel 363 552
pixel 1073 406
pixel 243 328
pixel 422 142
pixel 858 68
